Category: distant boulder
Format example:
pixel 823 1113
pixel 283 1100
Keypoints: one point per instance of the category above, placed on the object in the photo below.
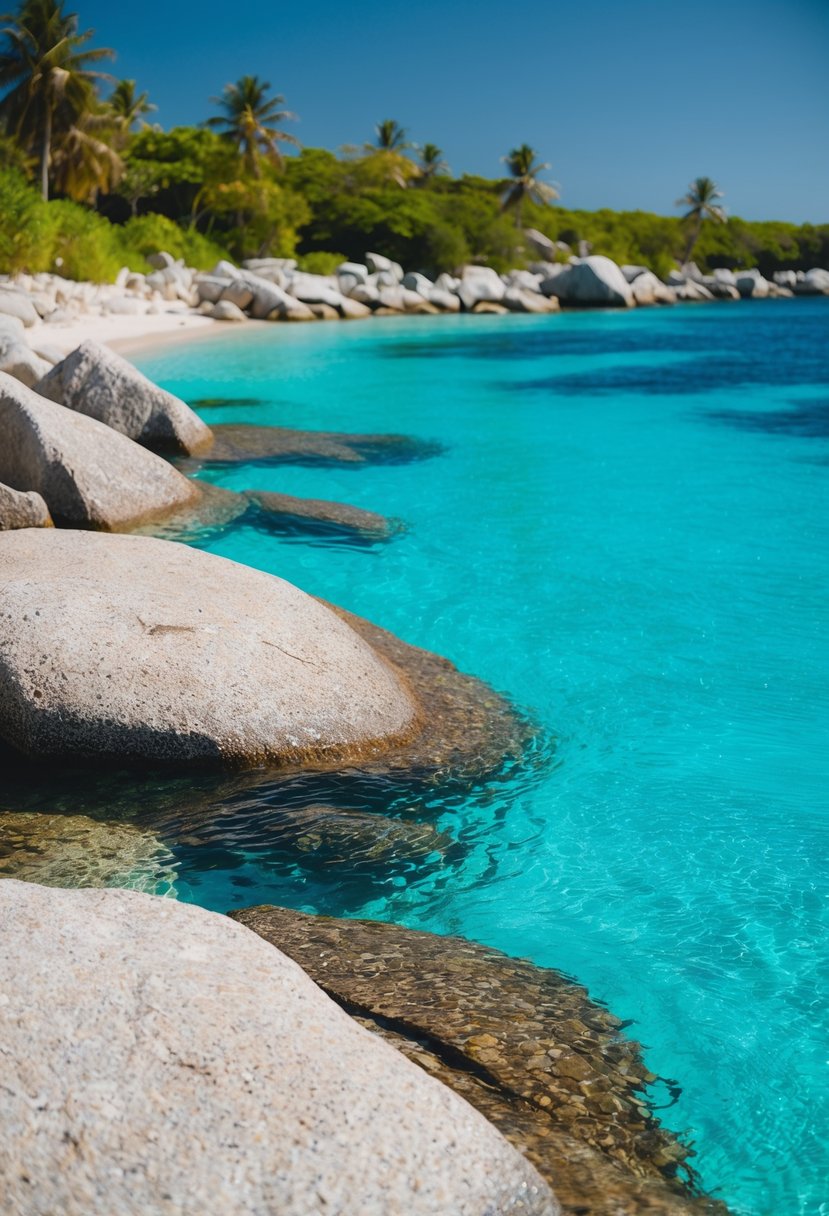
pixel 648 289
pixel 19 360
pixel 95 381
pixel 478 285
pixel 594 280
pixel 17 304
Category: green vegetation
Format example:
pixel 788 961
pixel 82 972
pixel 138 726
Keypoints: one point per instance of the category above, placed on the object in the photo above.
pixel 121 189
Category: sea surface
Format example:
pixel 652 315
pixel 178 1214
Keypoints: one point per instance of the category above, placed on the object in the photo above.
pixel 626 531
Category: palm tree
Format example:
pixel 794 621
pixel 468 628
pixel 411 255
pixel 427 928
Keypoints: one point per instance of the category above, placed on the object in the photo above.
pixel 51 87
pixel 128 106
pixel 251 120
pixel 701 201
pixel 391 137
pixel 431 162
pixel 524 170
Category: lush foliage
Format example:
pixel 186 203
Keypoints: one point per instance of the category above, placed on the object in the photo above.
pixel 225 188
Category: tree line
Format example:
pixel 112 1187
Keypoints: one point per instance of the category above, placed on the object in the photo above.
pixel 80 162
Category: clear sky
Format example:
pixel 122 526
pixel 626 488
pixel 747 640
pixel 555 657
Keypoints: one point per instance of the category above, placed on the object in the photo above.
pixel 628 99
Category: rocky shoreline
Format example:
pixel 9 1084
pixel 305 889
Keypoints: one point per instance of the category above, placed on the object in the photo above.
pixel 175 1050
pixel 43 315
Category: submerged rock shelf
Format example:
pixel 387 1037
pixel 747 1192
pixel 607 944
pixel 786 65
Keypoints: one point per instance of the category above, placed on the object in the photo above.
pixel 525 1045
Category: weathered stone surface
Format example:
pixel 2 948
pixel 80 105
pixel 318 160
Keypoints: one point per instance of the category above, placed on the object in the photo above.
pixel 179 655
pixel 691 290
pixel 22 509
pixel 76 851
pixel 594 280
pixel 181 1064
pixel 88 474
pixel 95 381
pixel 337 516
pixel 19 360
pixel 521 299
pixel 524 1044
pixel 215 508
pixel 234 443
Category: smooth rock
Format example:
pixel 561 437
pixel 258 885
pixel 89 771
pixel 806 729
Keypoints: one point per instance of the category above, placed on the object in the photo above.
pixel 594 280
pixel 646 289
pixel 88 473
pixel 689 289
pixel 540 244
pixel 353 310
pixel 520 299
pixel 377 263
pixel 95 381
pixel 161 260
pixel 16 304
pixel 202 1071
pixel 225 310
pixel 239 293
pixel 210 288
pixel 22 509
pixel 176 654
pixel 751 285
pixel 445 301
pixel 479 284
pixel 417 282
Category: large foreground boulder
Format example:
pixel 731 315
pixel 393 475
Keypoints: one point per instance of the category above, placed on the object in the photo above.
pixel 93 380
pixel 160 1058
pixel 130 646
pixel 88 474
pixel 595 280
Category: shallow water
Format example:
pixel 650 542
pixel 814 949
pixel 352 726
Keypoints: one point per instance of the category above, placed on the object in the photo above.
pixel 626 532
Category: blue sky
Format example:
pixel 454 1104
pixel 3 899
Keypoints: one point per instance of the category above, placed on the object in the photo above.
pixel 627 99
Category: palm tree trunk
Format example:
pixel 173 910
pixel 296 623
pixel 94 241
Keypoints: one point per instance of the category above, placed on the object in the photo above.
pixel 45 154
pixel 692 240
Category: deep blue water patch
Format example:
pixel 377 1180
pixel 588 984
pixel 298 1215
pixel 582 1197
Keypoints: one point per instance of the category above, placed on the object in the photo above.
pixel 635 548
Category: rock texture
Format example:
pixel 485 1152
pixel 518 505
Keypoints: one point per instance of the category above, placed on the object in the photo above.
pixel 22 509
pixel 525 1045
pixel 179 655
pixel 162 1059
pixel 19 360
pixel 95 381
pixel 76 851
pixel 88 474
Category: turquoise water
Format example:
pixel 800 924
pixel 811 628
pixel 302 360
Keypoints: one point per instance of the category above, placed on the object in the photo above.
pixel 627 534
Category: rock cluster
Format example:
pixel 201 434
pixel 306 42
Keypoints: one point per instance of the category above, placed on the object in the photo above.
pixel 275 289
pixel 88 474
pixel 161 1058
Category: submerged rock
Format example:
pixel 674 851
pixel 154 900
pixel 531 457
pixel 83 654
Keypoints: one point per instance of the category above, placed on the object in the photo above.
pixel 88 474
pixel 179 655
pixel 237 443
pixel 93 380
pixel 22 509
pixel 336 517
pixel 76 851
pixel 182 1064
pixel 524 1044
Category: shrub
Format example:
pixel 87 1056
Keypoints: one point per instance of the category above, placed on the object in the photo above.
pixel 147 234
pixel 25 235
pixel 321 261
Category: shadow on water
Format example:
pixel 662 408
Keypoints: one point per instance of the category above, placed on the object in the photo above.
pixel 807 418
